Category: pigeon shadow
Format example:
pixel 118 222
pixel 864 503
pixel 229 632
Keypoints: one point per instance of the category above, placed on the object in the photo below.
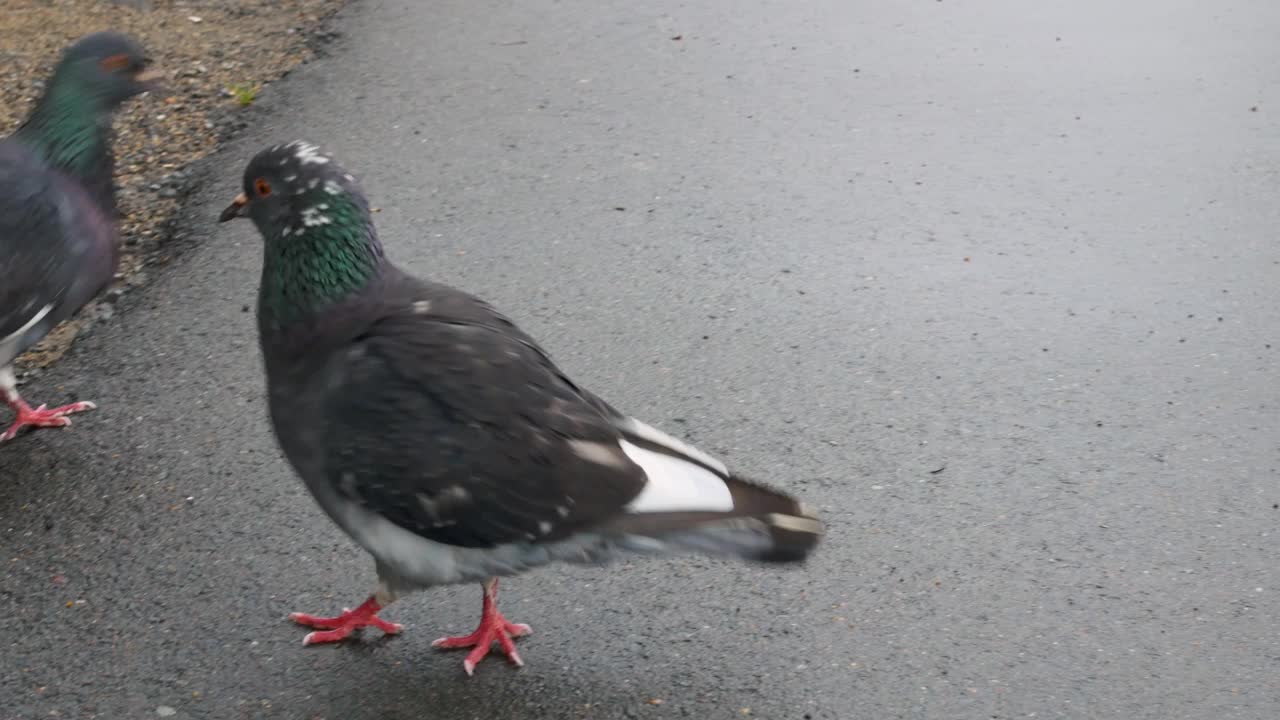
pixel 434 685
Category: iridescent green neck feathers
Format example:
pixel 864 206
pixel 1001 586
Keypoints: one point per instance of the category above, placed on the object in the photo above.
pixel 69 127
pixel 319 256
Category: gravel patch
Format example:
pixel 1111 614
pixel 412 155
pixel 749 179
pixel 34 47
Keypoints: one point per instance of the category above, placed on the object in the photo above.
pixel 215 57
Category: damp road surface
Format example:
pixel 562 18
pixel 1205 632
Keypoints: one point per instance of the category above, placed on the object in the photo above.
pixel 995 285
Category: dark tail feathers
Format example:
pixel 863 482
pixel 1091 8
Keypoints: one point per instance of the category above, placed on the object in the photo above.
pixel 764 525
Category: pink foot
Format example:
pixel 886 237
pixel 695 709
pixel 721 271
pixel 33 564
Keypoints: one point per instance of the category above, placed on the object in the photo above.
pixel 493 626
pixel 333 629
pixel 42 416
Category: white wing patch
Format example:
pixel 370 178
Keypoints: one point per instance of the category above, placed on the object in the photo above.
pixel 598 453
pixel 657 437
pixel 676 485
pixel 14 337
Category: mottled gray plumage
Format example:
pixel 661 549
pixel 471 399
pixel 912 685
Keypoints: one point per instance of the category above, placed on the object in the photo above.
pixel 57 208
pixel 442 437
pixel 57 248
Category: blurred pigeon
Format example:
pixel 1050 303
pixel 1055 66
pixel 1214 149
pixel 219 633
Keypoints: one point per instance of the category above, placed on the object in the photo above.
pixel 443 439
pixel 57 205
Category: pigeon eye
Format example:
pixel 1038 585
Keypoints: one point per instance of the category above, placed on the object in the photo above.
pixel 115 63
pixel 262 187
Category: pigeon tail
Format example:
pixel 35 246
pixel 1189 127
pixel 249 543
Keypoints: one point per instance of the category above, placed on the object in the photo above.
pixel 692 502
pixel 763 525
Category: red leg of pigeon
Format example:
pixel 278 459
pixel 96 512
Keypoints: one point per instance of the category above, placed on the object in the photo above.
pixel 493 627
pixel 38 417
pixel 333 629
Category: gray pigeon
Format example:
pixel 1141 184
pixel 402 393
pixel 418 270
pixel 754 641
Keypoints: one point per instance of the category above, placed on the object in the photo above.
pixel 443 439
pixel 57 206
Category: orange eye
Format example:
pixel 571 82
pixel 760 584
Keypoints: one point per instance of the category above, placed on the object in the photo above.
pixel 115 63
pixel 262 187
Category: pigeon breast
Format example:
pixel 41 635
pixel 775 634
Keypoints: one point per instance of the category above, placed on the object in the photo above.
pixel 57 249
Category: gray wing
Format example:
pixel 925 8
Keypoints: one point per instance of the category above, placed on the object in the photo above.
pixel 45 248
pixel 453 424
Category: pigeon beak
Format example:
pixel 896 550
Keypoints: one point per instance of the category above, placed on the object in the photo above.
pixel 149 79
pixel 235 209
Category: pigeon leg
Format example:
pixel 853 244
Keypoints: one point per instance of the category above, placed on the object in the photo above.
pixel 42 416
pixel 333 629
pixel 493 627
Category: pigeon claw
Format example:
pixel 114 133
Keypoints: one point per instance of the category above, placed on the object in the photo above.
pixel 333 629
pixel 43 417
pixel 493 628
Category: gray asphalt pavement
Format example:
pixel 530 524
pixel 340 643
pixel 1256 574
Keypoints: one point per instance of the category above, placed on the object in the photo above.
pixel 993 284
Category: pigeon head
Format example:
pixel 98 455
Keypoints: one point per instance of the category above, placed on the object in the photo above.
pixel 107 67
pixel 70 128
pixel 319 235
pixel 294 187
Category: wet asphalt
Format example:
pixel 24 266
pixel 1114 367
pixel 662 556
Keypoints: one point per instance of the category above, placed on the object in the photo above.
pixel 994 286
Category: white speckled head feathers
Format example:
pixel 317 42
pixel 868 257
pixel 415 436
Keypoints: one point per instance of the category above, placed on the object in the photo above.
pixel 293 187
